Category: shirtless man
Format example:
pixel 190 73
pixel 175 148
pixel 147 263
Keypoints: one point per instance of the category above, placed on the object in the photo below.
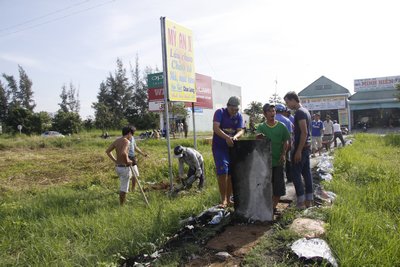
pixel 122 162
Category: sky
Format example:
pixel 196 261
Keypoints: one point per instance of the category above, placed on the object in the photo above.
pixel 264 46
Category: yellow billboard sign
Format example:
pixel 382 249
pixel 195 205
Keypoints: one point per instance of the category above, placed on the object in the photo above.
pixel 180 62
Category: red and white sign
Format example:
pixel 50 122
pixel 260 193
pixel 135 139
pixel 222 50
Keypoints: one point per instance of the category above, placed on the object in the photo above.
pixel 373 84
pixel 203 92
pixel 155 94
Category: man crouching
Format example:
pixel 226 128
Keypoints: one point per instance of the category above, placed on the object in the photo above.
pixel 196 165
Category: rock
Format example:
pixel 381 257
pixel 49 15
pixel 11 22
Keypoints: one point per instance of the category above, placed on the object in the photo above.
pixel 308 228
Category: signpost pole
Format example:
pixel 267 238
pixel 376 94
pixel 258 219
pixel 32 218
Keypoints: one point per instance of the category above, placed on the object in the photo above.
pixel 165 65
pixel 194 128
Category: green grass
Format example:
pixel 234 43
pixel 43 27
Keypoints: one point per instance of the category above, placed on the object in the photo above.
pixel 59 202
pixel 364 222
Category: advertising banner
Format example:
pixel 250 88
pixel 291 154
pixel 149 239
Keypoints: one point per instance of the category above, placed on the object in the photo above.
pixel 180 62
pixel 203 91
pixel 324 103
pixel 374 84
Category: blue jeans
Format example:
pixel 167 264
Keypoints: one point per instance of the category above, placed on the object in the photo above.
pixel 299 169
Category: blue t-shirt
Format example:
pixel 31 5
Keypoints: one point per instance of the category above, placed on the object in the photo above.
pixel 301 114
pixel 317 127
pixel 284 120
pixel 228 125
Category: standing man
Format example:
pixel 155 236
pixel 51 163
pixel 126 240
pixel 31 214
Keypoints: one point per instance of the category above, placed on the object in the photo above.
pixel 279 135
pixel 301 152
pixel 316 134
pixel 122 161
pixel 228 127
pixel 328 132
pixel 133 148
pixel 195 160
pixel 280 116
pixel 337 133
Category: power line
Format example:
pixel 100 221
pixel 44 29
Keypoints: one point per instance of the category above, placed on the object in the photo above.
pixel 56 19
pixel 43 16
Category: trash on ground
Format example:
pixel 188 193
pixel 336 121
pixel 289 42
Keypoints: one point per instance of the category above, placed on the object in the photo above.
pixel 313 248
pixel 326 176
pixel 223 255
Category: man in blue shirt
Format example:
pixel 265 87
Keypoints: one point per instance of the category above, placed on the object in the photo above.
pixel 228 127
pixel 316 134
pixel 280 116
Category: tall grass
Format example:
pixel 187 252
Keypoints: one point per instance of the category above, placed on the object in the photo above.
pixel 364 222
pixel 59 202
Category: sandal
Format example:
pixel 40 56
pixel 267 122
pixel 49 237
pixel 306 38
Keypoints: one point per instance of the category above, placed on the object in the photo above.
pixel 222 206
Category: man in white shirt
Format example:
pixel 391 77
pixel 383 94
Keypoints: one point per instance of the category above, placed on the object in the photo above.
pixel 328 133
pixel 337 132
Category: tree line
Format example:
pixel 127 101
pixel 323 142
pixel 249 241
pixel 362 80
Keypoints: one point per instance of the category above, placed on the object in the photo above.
pixel 121 100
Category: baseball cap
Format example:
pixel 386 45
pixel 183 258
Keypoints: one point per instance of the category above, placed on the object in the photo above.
pixel 234 101
pixel 267 106
pixel 178 152
pixel 280 107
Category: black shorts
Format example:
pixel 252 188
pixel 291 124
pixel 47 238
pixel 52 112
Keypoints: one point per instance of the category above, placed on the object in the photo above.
pixel 278 181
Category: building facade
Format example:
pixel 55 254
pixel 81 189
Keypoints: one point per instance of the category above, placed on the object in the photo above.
pixel 375 102
pixel 326 97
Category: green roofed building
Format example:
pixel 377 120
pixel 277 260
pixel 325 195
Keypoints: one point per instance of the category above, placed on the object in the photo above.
pixel 326 97
pixel 375 102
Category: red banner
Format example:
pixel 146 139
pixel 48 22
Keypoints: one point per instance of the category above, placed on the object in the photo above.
pixel 203 93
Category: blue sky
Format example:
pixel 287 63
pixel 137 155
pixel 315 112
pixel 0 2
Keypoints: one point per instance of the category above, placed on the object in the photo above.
pixel 246 43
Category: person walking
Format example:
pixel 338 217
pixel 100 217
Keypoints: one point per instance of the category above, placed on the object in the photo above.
pixel 281 116
pixel 122 161
pixel 279 135
pixel 227 127
pixel 316 134
pixel 301 152
pixel 337 133
pixel 195 161
pixel 328 133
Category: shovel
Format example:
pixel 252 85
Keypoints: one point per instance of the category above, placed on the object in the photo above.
pixel 140 187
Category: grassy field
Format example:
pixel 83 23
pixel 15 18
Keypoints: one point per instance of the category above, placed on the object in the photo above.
pixel 364 222
pixel 59 201
pixel 59 204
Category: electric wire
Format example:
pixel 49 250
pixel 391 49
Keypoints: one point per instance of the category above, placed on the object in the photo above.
pixel 57 19
pixel 42 16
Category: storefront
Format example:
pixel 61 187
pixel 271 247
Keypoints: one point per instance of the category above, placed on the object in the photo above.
pixel 375 102
pixel 326 97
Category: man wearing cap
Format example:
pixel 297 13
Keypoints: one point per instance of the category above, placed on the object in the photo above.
pixel 316 134
pixel 195 161
pixel 301 151
pixel 228 127
pixel 279 135
pixel 122 161
pixel 280 116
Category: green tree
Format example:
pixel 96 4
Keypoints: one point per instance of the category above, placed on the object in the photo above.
pixel 3 103
pixel 104 118
pixel 275 99
pixel 25 90
pixel 40 121
pixel 67 122
pixel 13 95
pixel 255 111
pixel 69 99
pixel 19 116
